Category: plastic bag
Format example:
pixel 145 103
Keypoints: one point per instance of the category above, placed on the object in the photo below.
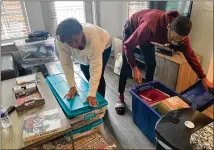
pixel 118 64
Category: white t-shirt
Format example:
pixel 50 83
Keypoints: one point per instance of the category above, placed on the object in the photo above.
pixel 97 40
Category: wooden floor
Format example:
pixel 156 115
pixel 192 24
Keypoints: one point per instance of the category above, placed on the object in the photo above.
pixel 122 128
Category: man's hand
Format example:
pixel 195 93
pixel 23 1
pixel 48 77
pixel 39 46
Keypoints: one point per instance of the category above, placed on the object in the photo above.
pixel 71 93
pixel 207 84
pixel 92 101
pixel 137 75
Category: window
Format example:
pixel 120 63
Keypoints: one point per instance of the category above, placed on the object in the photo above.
pixel 66 9
pixel 14 21
pixel 184 7
pixel 134 6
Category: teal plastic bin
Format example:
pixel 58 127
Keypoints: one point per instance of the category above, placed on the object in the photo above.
pixel 88 127
pixel 144 116
pixel 77 106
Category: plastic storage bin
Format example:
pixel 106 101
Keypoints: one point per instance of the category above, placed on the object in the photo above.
pixel 197 97
pixel 80 114
pixel 36 51
pixel 88 127
pixel 77 106
pixel 144 116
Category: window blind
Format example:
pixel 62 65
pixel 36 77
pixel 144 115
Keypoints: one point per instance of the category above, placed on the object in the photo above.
pixel 183 7
pixel 134 6
pixel 14 20
pixel 66 9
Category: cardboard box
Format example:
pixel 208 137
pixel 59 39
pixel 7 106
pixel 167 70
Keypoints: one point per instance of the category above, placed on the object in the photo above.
pixel 209 111
pixel 170 104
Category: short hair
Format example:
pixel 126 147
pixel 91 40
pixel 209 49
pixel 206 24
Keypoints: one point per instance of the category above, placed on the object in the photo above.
pixel 181 25
pixel 67 28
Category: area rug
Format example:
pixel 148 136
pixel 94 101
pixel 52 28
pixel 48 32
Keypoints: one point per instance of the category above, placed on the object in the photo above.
pixel 92 141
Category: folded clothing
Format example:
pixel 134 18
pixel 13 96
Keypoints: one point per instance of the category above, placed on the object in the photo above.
pixel 153 95
pixel 36 34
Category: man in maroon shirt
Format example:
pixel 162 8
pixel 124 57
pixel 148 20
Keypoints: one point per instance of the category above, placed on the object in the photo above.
pixel 157 26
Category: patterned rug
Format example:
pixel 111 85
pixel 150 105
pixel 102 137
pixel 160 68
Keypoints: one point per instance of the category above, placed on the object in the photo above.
pixel 92 141
pixel 58 143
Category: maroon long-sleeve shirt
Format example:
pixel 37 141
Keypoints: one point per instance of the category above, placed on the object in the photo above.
pixel 151 26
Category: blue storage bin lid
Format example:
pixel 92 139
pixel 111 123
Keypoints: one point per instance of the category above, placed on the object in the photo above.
pixel 197 96
pixel 77 106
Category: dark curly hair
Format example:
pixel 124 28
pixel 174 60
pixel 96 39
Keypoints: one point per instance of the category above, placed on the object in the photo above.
pixel 67 28
pixel 181 25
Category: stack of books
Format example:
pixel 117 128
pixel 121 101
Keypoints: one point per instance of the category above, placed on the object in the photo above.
pixel 26 93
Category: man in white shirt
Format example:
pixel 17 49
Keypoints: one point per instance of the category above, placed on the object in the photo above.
pixel 90 46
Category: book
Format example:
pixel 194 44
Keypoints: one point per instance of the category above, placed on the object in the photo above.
pixel 40 125
pixel 21 100
pixel 25 90
pixel 31 87
pixel 26 79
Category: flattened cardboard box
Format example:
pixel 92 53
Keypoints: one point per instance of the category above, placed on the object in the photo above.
pixel 170 104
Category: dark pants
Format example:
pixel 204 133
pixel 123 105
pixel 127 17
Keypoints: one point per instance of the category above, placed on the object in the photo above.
pixel 85 70
pixel 149 57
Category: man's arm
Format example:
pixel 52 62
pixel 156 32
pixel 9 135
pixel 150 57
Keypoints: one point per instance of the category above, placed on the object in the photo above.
pixel 141 35
pixel 66 63
pixel 192 59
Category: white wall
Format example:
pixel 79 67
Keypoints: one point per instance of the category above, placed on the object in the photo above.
pixel 35 16
pixel 111 17
pixel 50 21
pixel 201 36
pixel 124 12
pixel 41 16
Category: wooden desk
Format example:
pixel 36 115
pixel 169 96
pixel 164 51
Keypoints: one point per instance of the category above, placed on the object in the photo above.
pixel 12 137
pixel 175 72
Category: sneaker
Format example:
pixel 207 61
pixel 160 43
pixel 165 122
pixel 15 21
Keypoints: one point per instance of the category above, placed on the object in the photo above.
pixel 120 108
